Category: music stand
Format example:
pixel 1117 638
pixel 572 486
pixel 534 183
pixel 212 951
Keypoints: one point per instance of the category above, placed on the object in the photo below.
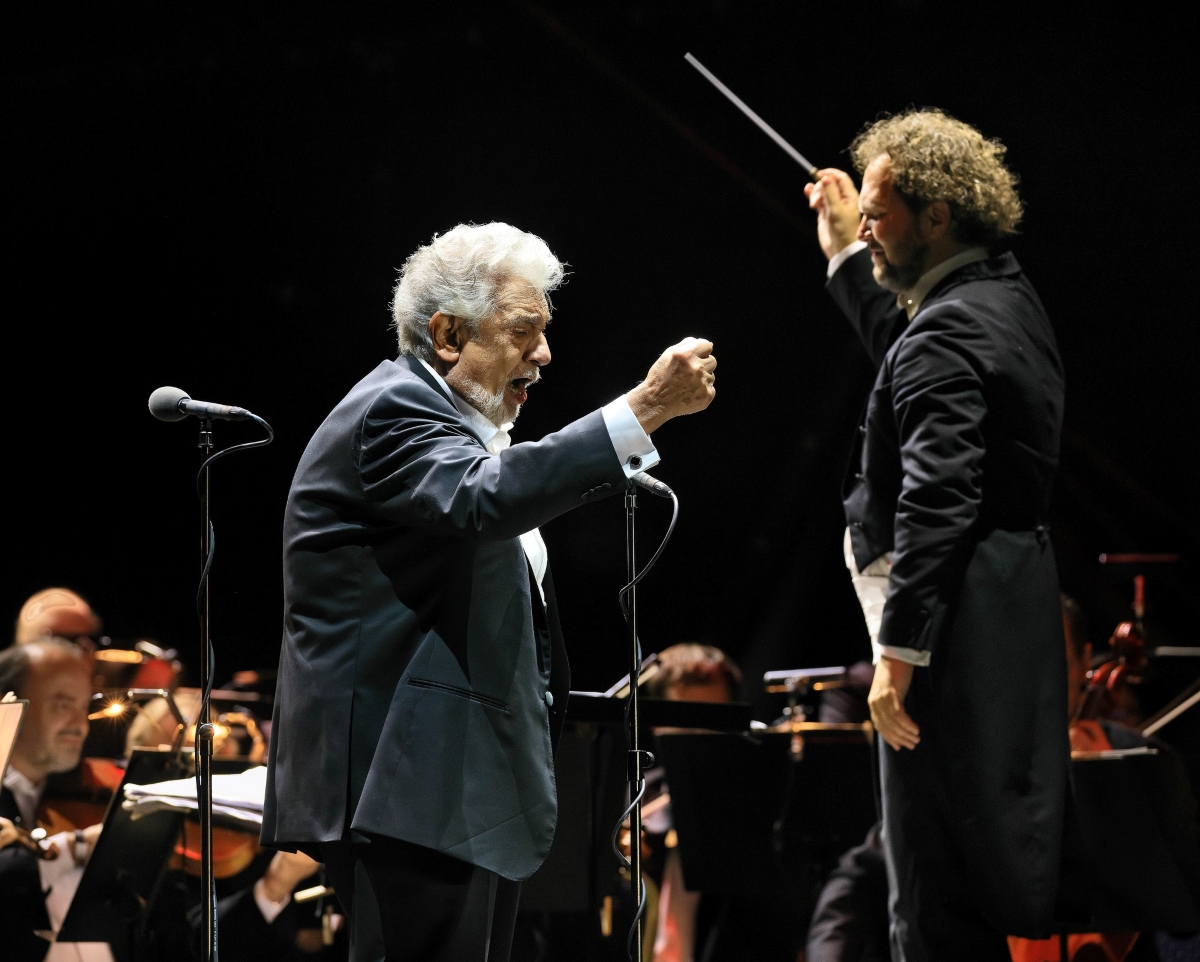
pixel 1138 821
pixel 11 714
pixel 729 792
pixel 589 772
pixel 581 869
pixel 127 866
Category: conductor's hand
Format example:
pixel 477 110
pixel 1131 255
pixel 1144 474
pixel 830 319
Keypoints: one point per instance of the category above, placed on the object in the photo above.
pixel 835 199
pixel 886 700
pixel 286 871
pixel 680 382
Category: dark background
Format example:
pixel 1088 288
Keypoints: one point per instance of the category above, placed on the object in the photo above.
pixel 218 197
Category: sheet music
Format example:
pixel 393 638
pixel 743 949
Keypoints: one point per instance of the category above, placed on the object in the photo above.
pixel 11 713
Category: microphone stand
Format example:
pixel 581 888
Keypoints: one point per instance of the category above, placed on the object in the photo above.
pixel 204 730
pixel 636 784
pixel 638 759
pixel 172 404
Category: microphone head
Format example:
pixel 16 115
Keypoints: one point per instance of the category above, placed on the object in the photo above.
pixel 164 403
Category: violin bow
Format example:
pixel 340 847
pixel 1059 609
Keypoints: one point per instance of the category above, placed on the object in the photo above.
pixel 765 127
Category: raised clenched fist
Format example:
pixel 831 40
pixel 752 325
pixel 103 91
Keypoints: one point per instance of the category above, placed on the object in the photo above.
pixel 681 381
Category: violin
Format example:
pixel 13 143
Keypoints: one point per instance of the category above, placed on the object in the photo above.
pixel 233 850
pixel 80 798
pixel 36 841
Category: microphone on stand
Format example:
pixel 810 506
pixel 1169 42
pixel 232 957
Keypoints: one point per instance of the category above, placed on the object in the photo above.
pixel 643 480
pixel 172 404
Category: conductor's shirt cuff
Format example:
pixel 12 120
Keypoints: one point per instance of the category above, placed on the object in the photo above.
pixel 840 258
pixel 635 450
pixel 270 910
pixel 910 655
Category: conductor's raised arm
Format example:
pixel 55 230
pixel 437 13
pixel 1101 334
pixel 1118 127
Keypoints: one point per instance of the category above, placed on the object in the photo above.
pixel 835 199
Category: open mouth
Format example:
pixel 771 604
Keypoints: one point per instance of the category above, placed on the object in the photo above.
pixel 519 386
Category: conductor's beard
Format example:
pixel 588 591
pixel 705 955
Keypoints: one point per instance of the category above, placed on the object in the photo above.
pixel 900 276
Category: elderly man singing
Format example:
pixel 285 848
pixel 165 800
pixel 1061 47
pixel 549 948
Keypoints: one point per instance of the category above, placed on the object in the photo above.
pixel 946 503
pixel 423 678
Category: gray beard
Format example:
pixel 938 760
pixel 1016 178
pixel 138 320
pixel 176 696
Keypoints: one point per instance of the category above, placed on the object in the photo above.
pixel 491 406
pixel 898 278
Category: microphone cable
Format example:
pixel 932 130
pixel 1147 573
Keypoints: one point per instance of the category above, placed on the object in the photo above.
pixel 625 862
pixel 203 711
pixel 212 550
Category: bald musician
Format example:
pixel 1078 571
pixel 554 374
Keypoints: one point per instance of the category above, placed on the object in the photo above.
pixel 946 502
pixel 57 612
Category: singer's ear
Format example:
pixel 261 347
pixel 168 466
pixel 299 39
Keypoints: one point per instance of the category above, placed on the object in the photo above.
pixel 448 334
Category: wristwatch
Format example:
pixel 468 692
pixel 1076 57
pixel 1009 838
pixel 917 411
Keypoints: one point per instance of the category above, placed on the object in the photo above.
pixel 80 849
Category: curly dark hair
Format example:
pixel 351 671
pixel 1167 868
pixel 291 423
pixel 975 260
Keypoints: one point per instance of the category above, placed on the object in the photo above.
pixel 935 157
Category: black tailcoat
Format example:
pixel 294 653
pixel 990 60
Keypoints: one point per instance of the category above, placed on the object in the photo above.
pixel 421 676
pixel 952 474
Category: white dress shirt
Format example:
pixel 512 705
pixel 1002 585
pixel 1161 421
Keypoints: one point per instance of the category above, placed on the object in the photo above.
pixel 910 301
pixel 871 584
pixel 633 447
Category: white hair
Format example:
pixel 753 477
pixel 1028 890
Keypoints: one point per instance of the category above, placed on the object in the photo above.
pixel 458 272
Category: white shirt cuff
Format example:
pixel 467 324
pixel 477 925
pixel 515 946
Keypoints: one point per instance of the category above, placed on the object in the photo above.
pixel 840 258
pixel 635 450
pixel 51 870
pixel 910 655
pixel 270 910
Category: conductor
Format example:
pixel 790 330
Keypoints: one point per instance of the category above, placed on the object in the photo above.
pixel 423 679
pixel 946 500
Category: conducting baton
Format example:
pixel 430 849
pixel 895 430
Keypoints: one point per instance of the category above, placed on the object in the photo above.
pixel 766 128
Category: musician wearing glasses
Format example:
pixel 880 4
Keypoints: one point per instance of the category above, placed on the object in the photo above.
pixel 946 500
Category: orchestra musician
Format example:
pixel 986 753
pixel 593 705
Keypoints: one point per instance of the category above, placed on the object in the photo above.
pixel 423 676
pixel 259 920
pixel 946 498
pixel 54 675
pixel 57 612
pixel 686 672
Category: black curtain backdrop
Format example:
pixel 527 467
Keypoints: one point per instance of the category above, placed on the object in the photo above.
pixel 218 197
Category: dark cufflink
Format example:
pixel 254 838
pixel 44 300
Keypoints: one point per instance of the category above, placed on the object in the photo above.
pixel 635 461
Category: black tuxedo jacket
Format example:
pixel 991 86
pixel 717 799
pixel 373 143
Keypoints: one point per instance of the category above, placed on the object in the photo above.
pixel 952 474
pixel 421 676
pixel 22 905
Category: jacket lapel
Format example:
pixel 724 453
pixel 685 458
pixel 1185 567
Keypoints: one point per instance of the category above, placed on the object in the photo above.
pixel 419 370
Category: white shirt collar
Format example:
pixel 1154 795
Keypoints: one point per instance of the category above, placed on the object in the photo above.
pixel 27 794
pixel 910 301
pixel 495 439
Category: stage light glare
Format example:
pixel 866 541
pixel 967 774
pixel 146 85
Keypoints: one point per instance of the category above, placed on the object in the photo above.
pixel 114 709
